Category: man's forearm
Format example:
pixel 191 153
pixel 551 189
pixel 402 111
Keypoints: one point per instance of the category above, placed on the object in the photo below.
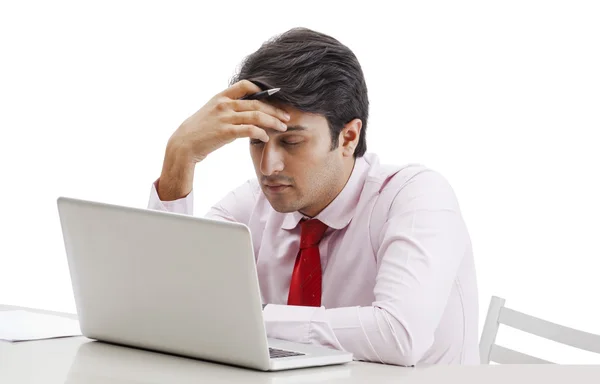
pixel 177 176
pixel 370 333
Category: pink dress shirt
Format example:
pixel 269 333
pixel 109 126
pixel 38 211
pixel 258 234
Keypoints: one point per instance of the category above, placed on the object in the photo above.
pixel 399 282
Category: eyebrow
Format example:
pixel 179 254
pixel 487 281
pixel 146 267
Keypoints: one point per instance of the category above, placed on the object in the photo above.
pixel 290 128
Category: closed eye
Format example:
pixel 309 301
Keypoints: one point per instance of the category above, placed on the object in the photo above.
pixel 291 140
pixel 284 142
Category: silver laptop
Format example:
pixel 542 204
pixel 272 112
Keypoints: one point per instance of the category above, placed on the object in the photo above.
pixel 173 283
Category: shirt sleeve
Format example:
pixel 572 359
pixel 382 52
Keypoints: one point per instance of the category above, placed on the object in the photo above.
pixel 422 244
pixel 236 206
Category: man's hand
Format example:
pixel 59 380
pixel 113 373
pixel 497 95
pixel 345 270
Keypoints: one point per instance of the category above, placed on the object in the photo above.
pixel 220 121
pixel 226 118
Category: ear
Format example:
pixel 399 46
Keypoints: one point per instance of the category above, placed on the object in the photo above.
pixel 349 137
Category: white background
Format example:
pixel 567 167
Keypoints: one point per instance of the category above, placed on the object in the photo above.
pixel 501 97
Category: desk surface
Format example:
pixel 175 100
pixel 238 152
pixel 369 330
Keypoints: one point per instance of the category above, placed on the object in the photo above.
pixel 77 360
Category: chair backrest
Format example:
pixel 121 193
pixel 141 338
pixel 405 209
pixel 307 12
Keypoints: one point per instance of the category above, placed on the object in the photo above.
pixel 499 314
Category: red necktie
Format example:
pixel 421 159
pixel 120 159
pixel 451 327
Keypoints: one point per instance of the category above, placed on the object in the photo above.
pixel 305 285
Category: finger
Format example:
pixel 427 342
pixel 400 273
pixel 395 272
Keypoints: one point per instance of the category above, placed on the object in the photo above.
pixel 258 118
pixel 241 89
pixel 248 130
pixel 257 105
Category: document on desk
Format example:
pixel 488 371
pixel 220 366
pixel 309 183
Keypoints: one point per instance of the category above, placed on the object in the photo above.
pixel 21 325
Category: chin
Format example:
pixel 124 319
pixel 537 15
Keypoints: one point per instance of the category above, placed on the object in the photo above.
pixel 283 207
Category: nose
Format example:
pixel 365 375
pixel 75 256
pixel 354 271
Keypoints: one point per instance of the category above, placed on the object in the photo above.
pixel 271 161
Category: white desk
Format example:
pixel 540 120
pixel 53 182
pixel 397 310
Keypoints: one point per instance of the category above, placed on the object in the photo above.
pixel 78 360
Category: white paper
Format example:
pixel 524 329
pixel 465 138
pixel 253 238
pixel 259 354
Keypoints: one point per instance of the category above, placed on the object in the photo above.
pixel 20 325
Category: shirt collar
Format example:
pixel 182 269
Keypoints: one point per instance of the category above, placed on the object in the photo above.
pixel 340 211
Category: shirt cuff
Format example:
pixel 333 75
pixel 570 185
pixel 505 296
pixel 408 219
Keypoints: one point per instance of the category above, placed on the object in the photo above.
pixel 290 322
pixel 308 325
pixel 184 205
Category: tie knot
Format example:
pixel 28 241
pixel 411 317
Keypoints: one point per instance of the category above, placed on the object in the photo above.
pixel 312 232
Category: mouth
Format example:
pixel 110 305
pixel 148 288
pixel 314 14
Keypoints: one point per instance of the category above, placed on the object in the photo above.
pixel 276 188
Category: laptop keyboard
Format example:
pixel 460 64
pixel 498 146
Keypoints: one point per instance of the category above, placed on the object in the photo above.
pixel 275 353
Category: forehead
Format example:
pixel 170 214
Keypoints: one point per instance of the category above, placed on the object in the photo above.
pixel 303 121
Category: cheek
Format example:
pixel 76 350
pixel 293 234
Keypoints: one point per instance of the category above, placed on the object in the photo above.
pixel 314 173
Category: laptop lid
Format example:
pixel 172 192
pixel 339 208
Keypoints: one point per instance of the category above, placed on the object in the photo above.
pixel 165 281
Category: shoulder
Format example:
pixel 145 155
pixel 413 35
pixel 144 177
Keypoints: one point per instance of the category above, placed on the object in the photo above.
pixel 249 189
pixel 243 196
pixel 395 176
pixel 411 184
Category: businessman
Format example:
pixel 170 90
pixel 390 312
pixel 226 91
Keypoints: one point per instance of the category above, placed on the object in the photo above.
pixel 352 254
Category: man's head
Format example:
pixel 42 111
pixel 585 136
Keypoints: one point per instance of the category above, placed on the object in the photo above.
pixel 324 91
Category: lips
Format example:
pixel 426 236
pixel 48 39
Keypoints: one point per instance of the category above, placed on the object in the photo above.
pixel 276 187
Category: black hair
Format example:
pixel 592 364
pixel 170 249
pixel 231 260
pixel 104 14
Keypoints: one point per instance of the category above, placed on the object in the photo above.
pixel 317 74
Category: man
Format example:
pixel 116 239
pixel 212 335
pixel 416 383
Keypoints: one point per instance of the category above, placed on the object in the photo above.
pixel 351 254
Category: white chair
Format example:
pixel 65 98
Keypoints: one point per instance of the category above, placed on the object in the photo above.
pixel 499 314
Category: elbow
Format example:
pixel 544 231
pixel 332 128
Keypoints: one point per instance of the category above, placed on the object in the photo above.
pixel 402 357
pixel 408 341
